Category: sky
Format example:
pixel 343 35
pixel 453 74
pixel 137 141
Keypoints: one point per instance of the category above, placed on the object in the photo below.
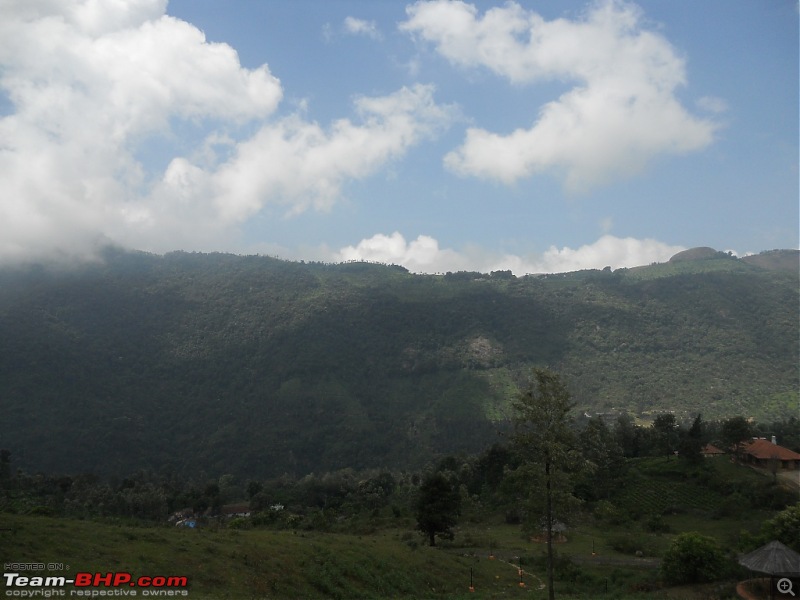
pixel 441 135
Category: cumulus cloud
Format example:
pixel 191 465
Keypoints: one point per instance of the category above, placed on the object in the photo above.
pixel 423 255
pixel 712 104
pixel 621 113
pixel 361 27
pixel 96 88
pixel 609 251
pixel 299 163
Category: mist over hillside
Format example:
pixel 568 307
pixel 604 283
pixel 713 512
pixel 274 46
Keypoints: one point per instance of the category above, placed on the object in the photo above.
pixel 215 363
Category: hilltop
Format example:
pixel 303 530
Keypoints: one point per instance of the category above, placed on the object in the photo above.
pixel 247 364
pixel 776 260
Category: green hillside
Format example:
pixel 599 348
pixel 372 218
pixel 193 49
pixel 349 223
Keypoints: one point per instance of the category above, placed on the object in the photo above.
pixel 224 564
pixel 612 550
pixel 212 363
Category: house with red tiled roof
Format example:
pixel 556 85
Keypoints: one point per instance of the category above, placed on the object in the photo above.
pixel 710 450
pixel 235 510
pixel 765 453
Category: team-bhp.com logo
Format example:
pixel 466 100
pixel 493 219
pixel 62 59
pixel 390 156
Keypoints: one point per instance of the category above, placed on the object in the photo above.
pixel 93 585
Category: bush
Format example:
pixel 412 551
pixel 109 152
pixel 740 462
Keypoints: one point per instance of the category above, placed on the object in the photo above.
pixel 513 516
pixel 693 558
pixel 239 523
pixel 605 511
pixel 773 497
pixel 785 527
pixel 656 524
pixel 732 506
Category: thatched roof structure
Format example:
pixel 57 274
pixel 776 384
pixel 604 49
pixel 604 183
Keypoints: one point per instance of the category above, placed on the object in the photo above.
pixel 774 558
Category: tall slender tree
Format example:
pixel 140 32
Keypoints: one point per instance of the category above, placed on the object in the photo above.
pixel 438 507
pixel 691 444
pixel 666 433
pixel 548 450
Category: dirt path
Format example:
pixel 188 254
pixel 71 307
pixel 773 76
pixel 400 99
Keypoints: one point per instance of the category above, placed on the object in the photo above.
pixel 790 479
pixel 511 556
pixel 618 561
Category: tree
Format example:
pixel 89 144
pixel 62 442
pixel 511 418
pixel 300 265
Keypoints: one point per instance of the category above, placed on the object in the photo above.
pixel 629 436
pixel 665 429
pixel 734 432
pixel 547 447
pixel 691 445
pixel 693 558
pixel 490 468
pixel 785 527
pixel 438 506
pixel 787 431
pixel 601 450
pixel 254 488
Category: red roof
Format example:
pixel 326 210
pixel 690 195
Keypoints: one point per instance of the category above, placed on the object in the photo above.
pixel 765 449
pixel 711 449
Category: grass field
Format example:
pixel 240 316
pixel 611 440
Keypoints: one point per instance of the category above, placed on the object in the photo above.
pixel 223 563
pixel 598 560
pixel 233 564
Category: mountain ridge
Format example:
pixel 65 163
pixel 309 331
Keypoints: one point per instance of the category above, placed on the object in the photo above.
pixel 245 364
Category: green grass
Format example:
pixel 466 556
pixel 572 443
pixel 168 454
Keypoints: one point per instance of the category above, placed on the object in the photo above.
pixel 668 485
pixel 232 564
pixel 390 560
pixel 669 269
pixel 253 564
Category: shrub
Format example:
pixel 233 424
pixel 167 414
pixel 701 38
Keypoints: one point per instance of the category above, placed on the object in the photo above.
pixel 239 523
pixel 785 527
pixel 656 524
pixel 732 506
pixel 773 497
pixel 693 558
pixel 605 511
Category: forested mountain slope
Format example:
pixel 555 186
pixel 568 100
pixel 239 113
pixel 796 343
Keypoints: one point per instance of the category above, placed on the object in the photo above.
pixel 212 363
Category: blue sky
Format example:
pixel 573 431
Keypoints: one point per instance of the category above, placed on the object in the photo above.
pixel 440 135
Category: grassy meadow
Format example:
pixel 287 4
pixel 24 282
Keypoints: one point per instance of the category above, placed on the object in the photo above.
pixel 611 554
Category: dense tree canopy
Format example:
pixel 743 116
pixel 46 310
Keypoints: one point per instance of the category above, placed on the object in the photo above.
pixel 691 443
pixel 734 432
pixel 605 460
pixel 438 507
pixel 258 367
pixel 785 527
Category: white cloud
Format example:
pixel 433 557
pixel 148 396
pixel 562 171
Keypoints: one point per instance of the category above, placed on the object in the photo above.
pixel 298 163
pixel 292 164
pixel 95 86
pixel 610 251
pixel 423 255
pixel 621 113
pixel 712 104
pixel 361 27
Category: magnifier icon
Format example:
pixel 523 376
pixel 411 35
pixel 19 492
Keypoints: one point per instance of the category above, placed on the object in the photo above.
pixel 785 586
